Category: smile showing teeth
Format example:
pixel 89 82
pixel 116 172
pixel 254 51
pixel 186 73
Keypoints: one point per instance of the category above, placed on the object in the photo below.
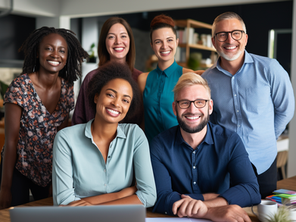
pixel 192 117
pixel 113 111
pixel 118 49
pixel 53 63
pixel 166 52
pixel 231 47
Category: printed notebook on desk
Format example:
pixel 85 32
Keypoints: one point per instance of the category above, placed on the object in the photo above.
pixel 103 213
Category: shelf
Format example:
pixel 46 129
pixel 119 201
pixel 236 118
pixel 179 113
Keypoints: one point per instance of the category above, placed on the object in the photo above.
pixel 205 66
pixel 197 46
pixel 189 25
pixel 201 66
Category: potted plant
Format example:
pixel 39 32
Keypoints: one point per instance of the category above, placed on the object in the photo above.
pixel 91 52
pixel 194 60
pixel 282 215
pixel 3 88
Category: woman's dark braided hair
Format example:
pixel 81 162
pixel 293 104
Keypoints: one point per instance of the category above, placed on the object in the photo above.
pixel 76 53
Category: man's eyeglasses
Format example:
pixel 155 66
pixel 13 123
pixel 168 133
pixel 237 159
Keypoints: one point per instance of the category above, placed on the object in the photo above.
pixel 235 34
pixel 198 103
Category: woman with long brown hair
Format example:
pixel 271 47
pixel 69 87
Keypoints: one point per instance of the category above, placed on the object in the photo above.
pixel 116 44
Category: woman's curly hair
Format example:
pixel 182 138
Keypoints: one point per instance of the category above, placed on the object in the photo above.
pixel 76 53
pixel 108 72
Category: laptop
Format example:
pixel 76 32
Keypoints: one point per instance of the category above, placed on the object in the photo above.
pixel 101 213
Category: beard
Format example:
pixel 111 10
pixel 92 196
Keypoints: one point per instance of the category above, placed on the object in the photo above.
pixel 196 129
pixel 230 58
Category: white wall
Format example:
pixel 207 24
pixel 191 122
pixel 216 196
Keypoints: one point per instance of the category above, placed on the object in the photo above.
pixel 33 7
pixel 87 8
pixel 92 7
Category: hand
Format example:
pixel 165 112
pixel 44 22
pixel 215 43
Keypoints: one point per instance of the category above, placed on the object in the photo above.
pixel 77 203
pixel 5 198
pixel 229 213
pixel 188 207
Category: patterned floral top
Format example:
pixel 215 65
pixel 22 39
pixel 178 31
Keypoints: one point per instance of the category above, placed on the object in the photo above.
pixel 38 127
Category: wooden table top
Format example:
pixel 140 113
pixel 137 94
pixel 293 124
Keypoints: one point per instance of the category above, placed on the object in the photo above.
pixel 289 183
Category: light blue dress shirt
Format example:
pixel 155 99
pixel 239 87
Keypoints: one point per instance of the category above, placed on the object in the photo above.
pixel 79 169
pixel 257 103
pixel 158 97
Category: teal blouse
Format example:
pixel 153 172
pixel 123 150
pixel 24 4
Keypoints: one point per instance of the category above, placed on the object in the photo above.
pixel 158 97
pixel 79 169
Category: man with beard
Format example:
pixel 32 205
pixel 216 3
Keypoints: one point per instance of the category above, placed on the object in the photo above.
pixel 253 96
pixel 201 170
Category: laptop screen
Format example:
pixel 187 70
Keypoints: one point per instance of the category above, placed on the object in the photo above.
pixel 101 213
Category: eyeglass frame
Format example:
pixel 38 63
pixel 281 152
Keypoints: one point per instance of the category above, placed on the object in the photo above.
pixel 242 32
pixel 206 100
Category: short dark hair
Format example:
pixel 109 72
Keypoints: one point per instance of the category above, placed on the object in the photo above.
pixel 162 21
pixel 102 50
pixel 108 72
pixel 76 53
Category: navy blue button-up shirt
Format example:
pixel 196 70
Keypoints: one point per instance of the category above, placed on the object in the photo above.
pixel 220 164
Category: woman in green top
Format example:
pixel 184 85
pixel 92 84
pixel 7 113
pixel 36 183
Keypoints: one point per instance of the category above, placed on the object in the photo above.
pixel 157 86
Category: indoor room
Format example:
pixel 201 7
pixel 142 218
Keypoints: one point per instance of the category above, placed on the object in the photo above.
pixel 270 25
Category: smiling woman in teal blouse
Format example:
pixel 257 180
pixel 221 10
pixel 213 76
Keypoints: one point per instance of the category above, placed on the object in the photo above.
pixel 157 86
pixel 102 161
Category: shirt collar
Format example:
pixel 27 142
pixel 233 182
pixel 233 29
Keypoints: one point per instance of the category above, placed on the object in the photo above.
pixel 208 138
pixel 168 71
pixel 120 133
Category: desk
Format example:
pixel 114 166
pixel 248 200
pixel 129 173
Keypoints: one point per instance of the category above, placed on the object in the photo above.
pixel 289 183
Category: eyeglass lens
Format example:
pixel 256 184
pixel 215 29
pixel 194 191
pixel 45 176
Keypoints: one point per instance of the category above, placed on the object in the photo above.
pixel 199 103
pixel 223 36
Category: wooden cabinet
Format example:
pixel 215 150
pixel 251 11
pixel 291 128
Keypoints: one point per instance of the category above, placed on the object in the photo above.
pixel 187 24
